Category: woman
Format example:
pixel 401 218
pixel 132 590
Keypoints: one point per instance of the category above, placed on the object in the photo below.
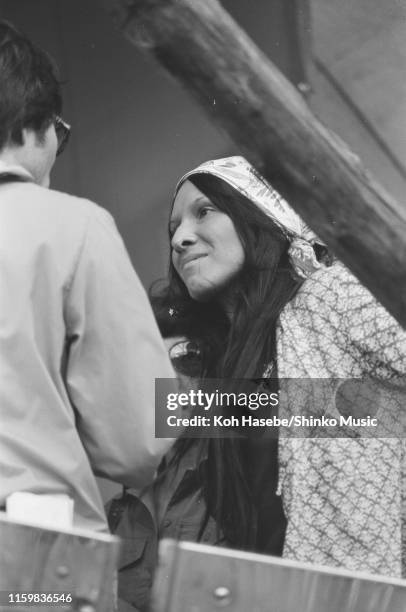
pixel 257 294
pixel 242 259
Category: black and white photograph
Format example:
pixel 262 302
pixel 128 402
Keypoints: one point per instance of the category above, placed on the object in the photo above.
pixel 203 305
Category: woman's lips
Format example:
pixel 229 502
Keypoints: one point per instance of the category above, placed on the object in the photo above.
pixel 189 259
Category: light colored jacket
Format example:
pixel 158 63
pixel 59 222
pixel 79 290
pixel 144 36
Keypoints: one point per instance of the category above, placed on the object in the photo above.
pixel 79 352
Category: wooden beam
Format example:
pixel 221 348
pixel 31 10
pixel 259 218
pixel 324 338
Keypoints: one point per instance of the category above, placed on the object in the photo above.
pixel 200 44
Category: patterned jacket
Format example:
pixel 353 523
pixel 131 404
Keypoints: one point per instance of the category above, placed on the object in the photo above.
pixel 344 497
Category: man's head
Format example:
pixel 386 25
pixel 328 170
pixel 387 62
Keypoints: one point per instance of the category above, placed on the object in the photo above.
pixel 30 103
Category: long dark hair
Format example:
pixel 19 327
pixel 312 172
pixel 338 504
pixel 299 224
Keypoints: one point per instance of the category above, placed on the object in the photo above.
pixel 239 348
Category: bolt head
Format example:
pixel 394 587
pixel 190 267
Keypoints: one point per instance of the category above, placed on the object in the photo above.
pixel 62 571
pixel 222 595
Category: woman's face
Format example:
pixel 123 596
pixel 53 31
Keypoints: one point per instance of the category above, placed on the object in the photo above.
pixel 206 250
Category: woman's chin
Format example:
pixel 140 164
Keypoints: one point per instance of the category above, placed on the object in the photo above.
pixel 200 296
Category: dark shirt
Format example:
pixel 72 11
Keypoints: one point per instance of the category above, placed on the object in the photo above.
pixel 174 507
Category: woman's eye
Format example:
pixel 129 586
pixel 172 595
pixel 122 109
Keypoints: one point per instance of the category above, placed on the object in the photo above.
pixel 202 212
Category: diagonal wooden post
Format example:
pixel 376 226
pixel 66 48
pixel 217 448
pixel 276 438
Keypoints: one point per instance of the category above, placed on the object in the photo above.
pixel 199 43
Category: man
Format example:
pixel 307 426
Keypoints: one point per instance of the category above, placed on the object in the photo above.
pixel 79 347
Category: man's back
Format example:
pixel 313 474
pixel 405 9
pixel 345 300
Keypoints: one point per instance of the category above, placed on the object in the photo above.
pixel 76 340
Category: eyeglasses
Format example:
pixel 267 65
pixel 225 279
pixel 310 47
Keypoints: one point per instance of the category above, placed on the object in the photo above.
pixel 62 130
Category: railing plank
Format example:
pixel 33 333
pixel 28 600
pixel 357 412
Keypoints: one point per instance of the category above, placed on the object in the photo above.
pixel 206 578
pixel 45 561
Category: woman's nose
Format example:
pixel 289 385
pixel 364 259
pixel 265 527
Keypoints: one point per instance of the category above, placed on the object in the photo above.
pixel 183 237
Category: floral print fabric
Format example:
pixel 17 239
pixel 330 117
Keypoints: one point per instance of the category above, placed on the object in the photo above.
pixel 344 497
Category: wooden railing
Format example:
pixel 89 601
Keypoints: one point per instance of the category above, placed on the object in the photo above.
pixel 44 569
pixel 207 578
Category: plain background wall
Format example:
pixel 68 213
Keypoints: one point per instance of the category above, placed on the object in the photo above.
pixel 359 83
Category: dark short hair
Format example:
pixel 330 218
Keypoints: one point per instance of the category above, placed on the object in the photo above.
pixel 30 90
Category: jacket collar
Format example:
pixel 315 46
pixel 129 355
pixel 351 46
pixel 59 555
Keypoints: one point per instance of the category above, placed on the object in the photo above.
pixel 14 170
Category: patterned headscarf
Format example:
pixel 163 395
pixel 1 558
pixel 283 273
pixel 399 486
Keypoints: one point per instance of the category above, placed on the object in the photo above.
pixel 242 176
